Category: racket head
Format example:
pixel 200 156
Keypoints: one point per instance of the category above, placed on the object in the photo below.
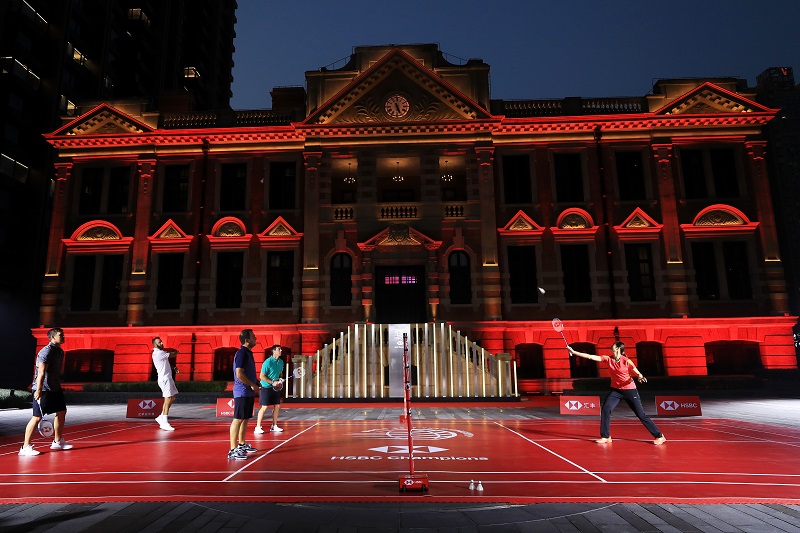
pixel 278 385
pixel 558 325
pixel 45 428
pixel 299 372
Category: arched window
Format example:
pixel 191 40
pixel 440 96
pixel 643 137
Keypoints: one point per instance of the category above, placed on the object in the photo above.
pixel 531 361
pixel 460 280
pixel 650 359
pixel 341 280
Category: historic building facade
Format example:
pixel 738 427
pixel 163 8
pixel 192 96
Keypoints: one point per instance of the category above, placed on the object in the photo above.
pixel 394 190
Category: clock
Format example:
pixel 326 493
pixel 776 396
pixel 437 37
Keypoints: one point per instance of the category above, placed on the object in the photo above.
pixel 396 106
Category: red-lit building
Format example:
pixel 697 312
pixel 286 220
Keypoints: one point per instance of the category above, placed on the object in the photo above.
pixel 394 190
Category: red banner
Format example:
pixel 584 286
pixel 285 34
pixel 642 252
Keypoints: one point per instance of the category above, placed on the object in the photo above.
pixel 225 406
pixel 678 406
pixel 580 405
pixel 144 407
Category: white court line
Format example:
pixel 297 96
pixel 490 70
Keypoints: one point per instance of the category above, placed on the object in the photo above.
pixel 75 439
pixel 749 437
pixel 268 452
pixel 551 452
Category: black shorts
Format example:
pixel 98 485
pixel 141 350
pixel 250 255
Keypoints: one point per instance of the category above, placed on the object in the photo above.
pixel 243 407
pixel 52 402
pixel 269 396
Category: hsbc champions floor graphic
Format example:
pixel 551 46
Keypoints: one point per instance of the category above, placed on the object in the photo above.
pixel 513 461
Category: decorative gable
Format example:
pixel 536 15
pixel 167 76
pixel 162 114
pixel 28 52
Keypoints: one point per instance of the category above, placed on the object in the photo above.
pixel 397 89
pixel 103 119
pixel 170 237
pixel 521 228
pixel 399 235
pixel 229 233
pixel 718 219
pixel 638 225
pixel 280 234
pixel 709 98
pixel 98 236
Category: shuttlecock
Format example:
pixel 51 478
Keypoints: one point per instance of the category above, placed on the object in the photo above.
pixel 479 488
pixel 471 485
pixel 541 290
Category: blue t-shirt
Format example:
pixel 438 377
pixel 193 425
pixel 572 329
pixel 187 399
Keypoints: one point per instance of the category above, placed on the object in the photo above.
pixel 244 360
pixel 272 368
pixel 52 356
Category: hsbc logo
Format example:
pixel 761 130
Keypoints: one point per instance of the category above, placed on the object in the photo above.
pixel 404 449
pixel 231 403
pixel 573 405
pixel 147 404
pixel 669 405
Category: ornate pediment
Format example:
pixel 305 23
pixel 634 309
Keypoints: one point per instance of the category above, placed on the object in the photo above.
pixel 103 119
pixel 708 99
pixel 279 233
pixel 170 237
pixel 397 89
pixel 400 235
pixel 719 219
pixel 520 226
pixel 638 225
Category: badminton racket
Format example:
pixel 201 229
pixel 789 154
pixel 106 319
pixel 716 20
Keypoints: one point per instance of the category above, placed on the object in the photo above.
pixel 299 372
pixel 558 325
pixel 45 427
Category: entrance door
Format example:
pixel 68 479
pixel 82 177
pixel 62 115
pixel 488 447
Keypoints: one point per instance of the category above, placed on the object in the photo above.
pixel 400 295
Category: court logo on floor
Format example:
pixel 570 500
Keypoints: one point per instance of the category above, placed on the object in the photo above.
pixel 678 406
pixel 404 449
pixel 417 433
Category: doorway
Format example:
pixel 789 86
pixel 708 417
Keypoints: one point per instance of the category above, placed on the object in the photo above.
pixel 400 295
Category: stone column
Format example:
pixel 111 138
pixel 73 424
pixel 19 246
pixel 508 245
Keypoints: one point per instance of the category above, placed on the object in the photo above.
pixel 310 292
pixel 490 293
pixel 137 284
pixel 51 286
pixel 677 287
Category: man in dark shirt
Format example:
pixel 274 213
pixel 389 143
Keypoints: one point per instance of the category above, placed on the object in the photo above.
pixel 245 388
pixel 47 393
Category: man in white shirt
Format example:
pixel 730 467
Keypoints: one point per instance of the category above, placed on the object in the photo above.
pixel 164 361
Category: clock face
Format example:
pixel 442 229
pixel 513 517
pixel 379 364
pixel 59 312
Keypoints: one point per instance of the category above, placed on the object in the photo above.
pixel 396 106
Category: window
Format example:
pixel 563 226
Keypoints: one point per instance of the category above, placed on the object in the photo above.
pixel 88 272
pixel 105 191
pixel 233 187
pixel 577 276
pixel 460 278
pixel 716 261
pixel 517 179
pixel 580 367
pixel 568 173
pixel 531 361
pixel 630 176
pixel 280 279
pixel 522 274
pixel 732 358
pixel 230 267
pixel 709 173
pixel 223 364
pixel 341 280
pixel 88 365
pixel 650 358
pixel 176 189
pixel 170 276
pixel 282 178
pixel 641 281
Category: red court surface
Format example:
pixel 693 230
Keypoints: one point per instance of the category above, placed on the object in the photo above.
pixel 516 461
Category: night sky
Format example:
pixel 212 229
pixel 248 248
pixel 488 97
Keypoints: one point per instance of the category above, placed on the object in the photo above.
pixel 536 48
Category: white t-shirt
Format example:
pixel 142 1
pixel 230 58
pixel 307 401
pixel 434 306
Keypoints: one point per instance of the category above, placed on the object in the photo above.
pixel 161 360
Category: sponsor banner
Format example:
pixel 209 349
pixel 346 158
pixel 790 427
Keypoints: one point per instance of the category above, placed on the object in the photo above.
pixel 144 407
pixel 580 405
pixel 678 406
pixel 225 406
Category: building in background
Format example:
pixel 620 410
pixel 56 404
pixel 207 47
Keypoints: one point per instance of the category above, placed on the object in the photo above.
pixel 394 190
pixel 172 54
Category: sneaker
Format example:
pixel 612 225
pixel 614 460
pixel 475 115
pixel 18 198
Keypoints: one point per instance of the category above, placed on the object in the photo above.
pixel 237 454
pixel 28 450
pixel 246 448
pixel 60 445
pixel 167 427
pixel 276 429
pixel 660 440
pixel 604 440
pixel 258 430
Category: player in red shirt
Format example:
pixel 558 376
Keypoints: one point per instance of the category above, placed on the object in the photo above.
pixel 622 388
